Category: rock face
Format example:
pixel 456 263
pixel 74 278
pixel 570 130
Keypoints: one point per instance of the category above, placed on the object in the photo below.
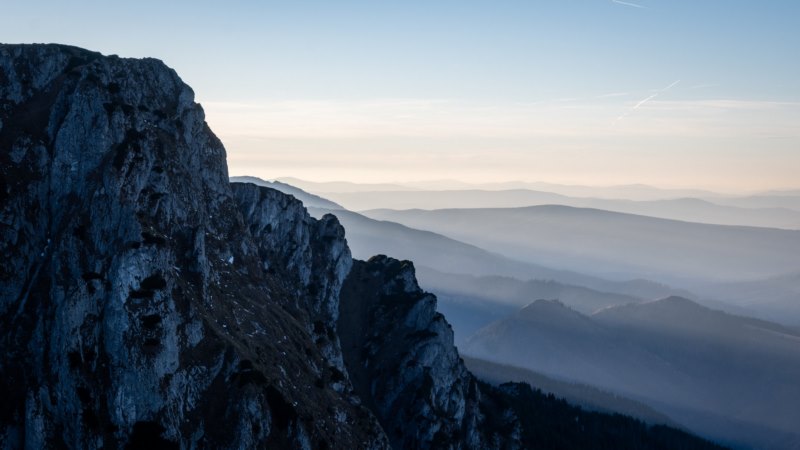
pixel 137 304
pixel 147 302
pixel 400 354
pixel 311 255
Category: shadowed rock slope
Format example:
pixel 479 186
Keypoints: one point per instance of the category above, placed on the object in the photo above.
pixel 402 360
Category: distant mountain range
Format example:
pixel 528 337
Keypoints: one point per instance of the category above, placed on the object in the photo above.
pixel 340 186
pixel 369 237
pixel 789 199
pixel 772 298
pixel 583 395
pixel 507 290
pixel 718 374
pixel 615 245
pixel 627 191
pixel 471 302
pixel 686 209
pixel 309 200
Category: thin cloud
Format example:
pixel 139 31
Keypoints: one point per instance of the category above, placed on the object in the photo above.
pixel 633 5
pixel 646 99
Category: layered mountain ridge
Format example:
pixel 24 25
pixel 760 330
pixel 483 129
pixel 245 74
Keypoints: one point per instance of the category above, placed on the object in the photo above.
pixel 148 302
pixel 723 375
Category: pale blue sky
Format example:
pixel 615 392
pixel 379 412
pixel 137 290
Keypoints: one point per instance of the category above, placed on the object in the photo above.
pixel 668 92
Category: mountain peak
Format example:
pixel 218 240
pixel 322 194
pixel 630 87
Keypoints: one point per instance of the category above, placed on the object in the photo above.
pixel 549 313
pixel 665 310
pixel 543 306
pixel 677 302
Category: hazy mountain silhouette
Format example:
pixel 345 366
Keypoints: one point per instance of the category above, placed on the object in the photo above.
pixel 716 373
pixel 368 236
pixel 588 397
pixel 340 186
pixel 471 302
pixel 782 199
pixel 775 298
pixel 610 244
pixel 686 209
pixel 309 200
pixel 783 192
pixel 470 312
pixel 438 199
pixel 625 191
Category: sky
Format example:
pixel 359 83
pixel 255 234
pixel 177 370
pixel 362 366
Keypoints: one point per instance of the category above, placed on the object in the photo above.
pixel 673 93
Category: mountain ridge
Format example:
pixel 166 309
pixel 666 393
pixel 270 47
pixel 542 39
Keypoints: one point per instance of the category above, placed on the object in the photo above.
pixel 394 238
pixel 309 200
pixel 583 240
pixel 688 209
pixel 715 373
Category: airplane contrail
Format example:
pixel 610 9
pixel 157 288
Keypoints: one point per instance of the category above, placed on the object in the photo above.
pixel 647 99
pixel 620 2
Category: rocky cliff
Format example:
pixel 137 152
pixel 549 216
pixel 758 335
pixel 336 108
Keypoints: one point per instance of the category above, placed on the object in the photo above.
pixel 403 363
pixel 137 304
pixel 146 302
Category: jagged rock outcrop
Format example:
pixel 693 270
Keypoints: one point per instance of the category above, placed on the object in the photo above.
pixel 311 254
pixel 137 305
pixel 399 352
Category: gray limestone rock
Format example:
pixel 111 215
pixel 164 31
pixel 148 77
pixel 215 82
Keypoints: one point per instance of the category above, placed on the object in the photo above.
pixel 136 306
pixel 399 352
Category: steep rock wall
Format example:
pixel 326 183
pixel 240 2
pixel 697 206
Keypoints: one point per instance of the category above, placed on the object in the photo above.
pixel 136 306
pixel 400 354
